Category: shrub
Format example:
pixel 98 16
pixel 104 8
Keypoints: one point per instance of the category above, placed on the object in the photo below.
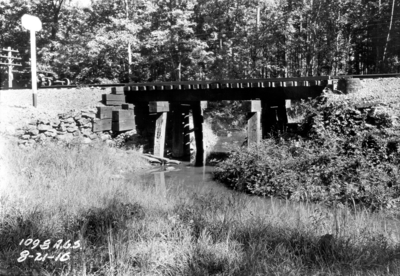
pixel 346 171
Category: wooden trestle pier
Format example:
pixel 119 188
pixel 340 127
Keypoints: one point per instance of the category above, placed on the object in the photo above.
pixel 172 101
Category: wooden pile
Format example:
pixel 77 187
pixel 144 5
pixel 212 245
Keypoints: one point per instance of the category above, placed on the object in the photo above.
pixel 117 115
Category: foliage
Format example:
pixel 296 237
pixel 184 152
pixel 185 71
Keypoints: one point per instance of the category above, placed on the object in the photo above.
pixel 344 156
pixel 203 40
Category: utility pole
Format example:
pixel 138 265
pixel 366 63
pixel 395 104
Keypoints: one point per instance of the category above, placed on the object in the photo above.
pixel 10 63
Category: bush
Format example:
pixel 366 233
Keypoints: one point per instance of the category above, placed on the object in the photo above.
pixel 345 171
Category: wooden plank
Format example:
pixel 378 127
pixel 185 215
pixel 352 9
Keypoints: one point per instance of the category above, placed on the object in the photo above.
pixel 156 107
pixel 223 94
pixel 142 88
pixel 104 112
pixel 114 103
pixel 101 125
pixel 113 97
pixel 186 87
pixel 186 132
pixel 127 106
pixel 159 87
pixel 134 88
pixel 177 131
pixel 168 87
pixel 196 86
pixel 252 106
pixel 205 86
pixel 198 133
pixel 254 128
pixel 225 85
pixel 159 135
pixel 124 125
pixel 214 86
pixel 118 90
pixel 236 85
pixel 122 115
pixel 127 89
pixel 247 80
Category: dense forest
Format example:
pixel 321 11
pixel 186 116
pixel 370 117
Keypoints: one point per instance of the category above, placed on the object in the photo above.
pixel 166 40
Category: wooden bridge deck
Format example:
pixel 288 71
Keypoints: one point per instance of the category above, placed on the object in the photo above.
pixel 291 88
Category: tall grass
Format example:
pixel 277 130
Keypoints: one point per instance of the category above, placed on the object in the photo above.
pixel 127 228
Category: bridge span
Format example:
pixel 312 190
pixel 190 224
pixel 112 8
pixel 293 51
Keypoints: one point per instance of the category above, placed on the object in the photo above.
pixel 156 103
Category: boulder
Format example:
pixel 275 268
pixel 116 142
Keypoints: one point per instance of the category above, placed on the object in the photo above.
pixel 33 132
pixel 43 128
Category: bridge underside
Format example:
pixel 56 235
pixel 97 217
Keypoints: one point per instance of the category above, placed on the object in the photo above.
pixel 157 105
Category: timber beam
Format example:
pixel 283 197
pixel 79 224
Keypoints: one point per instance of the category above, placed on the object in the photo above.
pixel 161 108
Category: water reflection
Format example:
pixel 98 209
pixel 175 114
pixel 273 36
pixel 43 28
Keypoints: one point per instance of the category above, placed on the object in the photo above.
pixel 186 177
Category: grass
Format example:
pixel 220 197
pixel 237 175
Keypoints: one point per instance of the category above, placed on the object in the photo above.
pixel 126 227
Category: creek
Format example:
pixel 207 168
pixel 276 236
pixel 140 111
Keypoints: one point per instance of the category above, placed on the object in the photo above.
pixel 190 177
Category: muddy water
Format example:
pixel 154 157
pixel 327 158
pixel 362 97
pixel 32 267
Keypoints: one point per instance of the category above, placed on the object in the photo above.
pixel 189 177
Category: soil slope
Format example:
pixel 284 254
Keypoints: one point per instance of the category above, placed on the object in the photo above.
pixel 16 108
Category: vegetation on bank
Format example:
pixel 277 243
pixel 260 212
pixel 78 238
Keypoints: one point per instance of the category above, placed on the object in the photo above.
pixel 127 227
pixel 346 151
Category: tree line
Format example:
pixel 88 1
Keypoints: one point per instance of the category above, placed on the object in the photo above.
pixel 168 40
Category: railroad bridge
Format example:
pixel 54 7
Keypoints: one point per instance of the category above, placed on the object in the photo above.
pixel 152 104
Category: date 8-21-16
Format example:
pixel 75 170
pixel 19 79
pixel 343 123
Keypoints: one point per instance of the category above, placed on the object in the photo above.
pixel 36 244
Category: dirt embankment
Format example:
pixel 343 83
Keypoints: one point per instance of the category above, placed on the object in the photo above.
pixel 16 106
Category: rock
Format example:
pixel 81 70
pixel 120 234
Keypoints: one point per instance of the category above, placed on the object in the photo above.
pixel 25 137
pixel 50 133
pixel 93 136
pixel 55 122
pixel 33 122
pixel 86 140
pixel 33 132
pixel 70 120
pixel 41 136
pixel 65 116
pixel 44 121
pixel 76 133
pixel 71 129
pixel 43 128
pixel 62 127
pixel 84 121
pixel 88 115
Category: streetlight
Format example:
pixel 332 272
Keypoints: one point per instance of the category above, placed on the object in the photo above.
pixel 33 24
